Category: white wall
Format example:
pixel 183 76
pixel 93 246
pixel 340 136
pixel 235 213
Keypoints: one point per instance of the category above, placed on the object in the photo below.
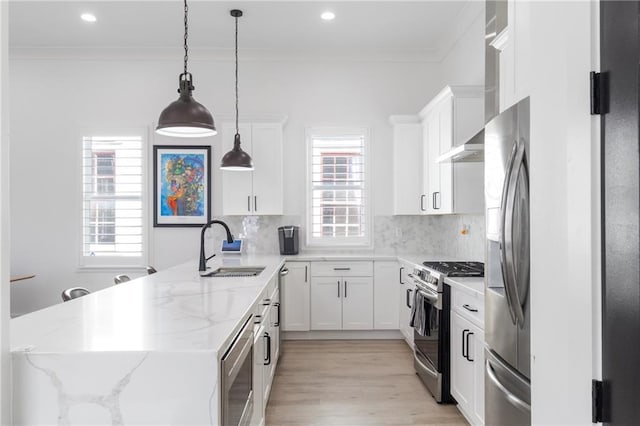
pixel 5 359
pixel 54 100
pixel 464 65
pixel 564 213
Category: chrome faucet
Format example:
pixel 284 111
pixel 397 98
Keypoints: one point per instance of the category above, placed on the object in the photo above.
pixel 203 258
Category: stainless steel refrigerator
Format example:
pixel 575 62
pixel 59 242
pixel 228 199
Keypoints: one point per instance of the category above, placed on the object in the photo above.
pixel 507 315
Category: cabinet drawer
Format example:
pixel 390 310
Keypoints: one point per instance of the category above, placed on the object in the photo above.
pixel 342 269
pixel 468 305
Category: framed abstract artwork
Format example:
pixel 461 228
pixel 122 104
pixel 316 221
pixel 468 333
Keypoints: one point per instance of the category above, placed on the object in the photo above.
pixel 181 185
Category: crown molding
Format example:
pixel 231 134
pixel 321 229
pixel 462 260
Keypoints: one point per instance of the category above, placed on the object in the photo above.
pixel 227 55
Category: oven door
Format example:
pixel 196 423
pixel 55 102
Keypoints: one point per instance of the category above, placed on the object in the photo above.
pixel 428 346
pixel 429 361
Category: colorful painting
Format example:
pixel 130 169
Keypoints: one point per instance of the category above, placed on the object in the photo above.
pixel 181 185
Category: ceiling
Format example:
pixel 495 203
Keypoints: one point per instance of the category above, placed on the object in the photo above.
pixel 429 27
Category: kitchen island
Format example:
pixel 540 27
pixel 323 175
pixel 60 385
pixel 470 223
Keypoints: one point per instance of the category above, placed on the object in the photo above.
pixel 143 352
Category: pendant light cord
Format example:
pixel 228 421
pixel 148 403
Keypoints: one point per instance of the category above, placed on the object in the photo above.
pixel 237 127
pixel 186 35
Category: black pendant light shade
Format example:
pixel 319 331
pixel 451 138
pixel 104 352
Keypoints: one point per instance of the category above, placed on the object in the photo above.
pixel 236 159
pixel 186 117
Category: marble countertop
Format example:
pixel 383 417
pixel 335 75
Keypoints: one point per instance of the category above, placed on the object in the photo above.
pixel 470 284
pixel 172 310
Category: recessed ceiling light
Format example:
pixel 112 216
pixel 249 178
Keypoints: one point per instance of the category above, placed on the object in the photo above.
pixel 328 16
pixel 88 17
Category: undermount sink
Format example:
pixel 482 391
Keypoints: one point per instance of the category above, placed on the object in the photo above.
pixel 234 271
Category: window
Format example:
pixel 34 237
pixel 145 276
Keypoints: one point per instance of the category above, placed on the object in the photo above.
pixel 338 193
pixel 113 230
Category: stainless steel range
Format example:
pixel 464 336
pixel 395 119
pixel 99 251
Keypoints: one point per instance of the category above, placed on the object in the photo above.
pixel 430 319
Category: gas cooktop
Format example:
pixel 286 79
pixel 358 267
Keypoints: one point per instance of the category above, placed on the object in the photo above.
pixel 457 269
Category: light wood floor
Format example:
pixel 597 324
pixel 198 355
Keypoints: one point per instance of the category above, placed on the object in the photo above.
pixel 362 382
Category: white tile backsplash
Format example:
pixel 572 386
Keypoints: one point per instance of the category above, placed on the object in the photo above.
pixel 394 234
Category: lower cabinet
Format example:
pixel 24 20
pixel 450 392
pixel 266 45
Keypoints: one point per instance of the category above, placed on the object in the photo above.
pixel 385 284
pixel 404 299
pixel 266 351
pixel 296 290
pixel 467 367
pixel 341 303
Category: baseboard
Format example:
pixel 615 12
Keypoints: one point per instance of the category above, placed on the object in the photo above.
pixel 342 335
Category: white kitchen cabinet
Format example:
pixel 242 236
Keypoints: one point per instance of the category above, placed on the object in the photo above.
pixel 257 192
pixel 357 303
pixel 385 284
pixel 406 288
pixel 467 357
pixel 272 327
pixel 326 303
pixel 450 119
pixel 341 299
pixel 266 348
pixel 513 46
pixel 408 165
pixel 296 292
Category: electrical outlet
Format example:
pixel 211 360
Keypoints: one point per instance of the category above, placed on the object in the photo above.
pixel 398 232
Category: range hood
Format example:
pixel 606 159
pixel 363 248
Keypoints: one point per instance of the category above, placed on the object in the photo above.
pixel 470 152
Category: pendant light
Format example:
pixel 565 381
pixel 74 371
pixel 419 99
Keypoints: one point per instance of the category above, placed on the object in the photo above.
pixel 236 159
pixel 185 117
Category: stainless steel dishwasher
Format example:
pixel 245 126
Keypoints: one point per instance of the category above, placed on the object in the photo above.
pixel 237 378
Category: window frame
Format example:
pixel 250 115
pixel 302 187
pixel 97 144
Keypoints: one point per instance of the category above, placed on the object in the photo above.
pixel 312 132
pixel 107 263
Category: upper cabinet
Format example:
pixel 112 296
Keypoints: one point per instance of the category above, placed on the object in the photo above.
pixel 258 192
pixel 422 185
pixel 408 163
pixel 512 45
pixel 451 119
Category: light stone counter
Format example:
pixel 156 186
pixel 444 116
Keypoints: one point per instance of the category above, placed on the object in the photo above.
pixel 142 352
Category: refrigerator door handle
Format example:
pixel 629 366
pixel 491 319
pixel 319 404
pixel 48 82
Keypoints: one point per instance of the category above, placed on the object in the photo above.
pixel 503 218
pixel 510 396
pixel 509 247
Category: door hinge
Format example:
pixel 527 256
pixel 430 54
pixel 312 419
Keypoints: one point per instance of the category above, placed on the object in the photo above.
pixel 598 92
pixel 596 401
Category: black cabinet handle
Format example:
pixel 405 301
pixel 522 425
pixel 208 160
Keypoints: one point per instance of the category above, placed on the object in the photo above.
pixel 305 273
pixel 408 294
pixel 266 302
pixel 277 305
pixel 267 359
pixel 467 356
pixel 338 288
pixel 422 202
pixel 469 308
pixel 464 333
pixel 255 203
pixel 345 289
pixel 436 206
pixel 248 203
pixel 400 275
pixel 341 269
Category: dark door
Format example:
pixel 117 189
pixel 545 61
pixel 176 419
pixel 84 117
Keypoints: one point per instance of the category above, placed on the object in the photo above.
pixel 621 257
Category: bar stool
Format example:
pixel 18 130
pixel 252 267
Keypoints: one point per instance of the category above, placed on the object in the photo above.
pixel 151 270
pixel 119 279
pixel 74 292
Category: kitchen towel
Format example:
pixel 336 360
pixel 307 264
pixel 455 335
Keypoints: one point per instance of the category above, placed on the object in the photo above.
pixel 422 317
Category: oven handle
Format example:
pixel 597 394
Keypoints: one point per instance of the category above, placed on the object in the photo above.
pixel 431 297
